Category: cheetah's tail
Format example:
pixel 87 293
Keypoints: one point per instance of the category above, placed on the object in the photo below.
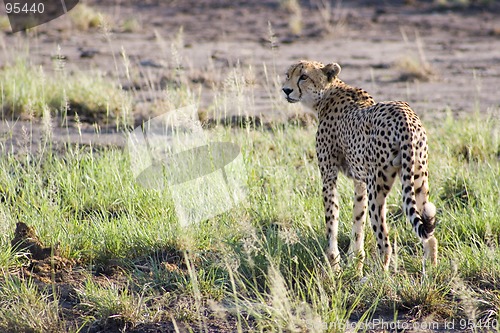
pixel 429 218
pixel 422 222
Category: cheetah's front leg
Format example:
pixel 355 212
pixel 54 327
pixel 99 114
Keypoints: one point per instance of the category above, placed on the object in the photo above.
pixel 331 202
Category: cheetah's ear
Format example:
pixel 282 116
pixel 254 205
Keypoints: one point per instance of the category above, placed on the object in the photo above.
pixel 331 71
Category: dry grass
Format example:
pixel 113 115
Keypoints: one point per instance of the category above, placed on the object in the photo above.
pixel 295 20
pixel 4 23
pixel 131 24
pixel 333 18
pixel 413 69
pixel 84 17
pixel 414 65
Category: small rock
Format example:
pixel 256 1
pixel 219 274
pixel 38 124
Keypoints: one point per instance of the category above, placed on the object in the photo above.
pixel 90 53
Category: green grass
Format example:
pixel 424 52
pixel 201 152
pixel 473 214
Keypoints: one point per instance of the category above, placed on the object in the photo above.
pixel 25 90
pixel 259 266
pixel 26 309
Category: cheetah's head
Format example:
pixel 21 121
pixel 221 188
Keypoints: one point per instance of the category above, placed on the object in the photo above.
pixel 306 80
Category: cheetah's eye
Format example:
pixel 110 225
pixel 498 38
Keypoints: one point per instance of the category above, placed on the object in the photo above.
pixel 303 77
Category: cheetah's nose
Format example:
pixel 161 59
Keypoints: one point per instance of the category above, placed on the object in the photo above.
pixel 287 91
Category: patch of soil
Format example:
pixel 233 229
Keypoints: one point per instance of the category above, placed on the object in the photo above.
pixel 213 325
pixel 26 239
pixel 44 263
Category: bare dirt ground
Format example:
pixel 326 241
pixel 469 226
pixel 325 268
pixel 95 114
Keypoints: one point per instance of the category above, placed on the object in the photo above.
pixel 458 46
pixel 455 51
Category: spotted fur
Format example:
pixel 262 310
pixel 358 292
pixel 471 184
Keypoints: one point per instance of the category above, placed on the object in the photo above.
pixel 372 143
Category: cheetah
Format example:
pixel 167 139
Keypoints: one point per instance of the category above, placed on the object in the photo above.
pixel 371 143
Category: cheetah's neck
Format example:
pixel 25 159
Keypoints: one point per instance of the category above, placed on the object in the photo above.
pixel 340 97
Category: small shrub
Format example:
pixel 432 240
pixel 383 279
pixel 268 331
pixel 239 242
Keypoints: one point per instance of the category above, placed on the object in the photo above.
pixel 131 25
pixel 412 69
pixel 85 17
pixel 111 304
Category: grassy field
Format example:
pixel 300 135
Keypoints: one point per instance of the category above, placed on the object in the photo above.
pixel 257 267
pixel 123 262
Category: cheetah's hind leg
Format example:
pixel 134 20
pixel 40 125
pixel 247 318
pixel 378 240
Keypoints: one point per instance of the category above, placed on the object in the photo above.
pixel 357 251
